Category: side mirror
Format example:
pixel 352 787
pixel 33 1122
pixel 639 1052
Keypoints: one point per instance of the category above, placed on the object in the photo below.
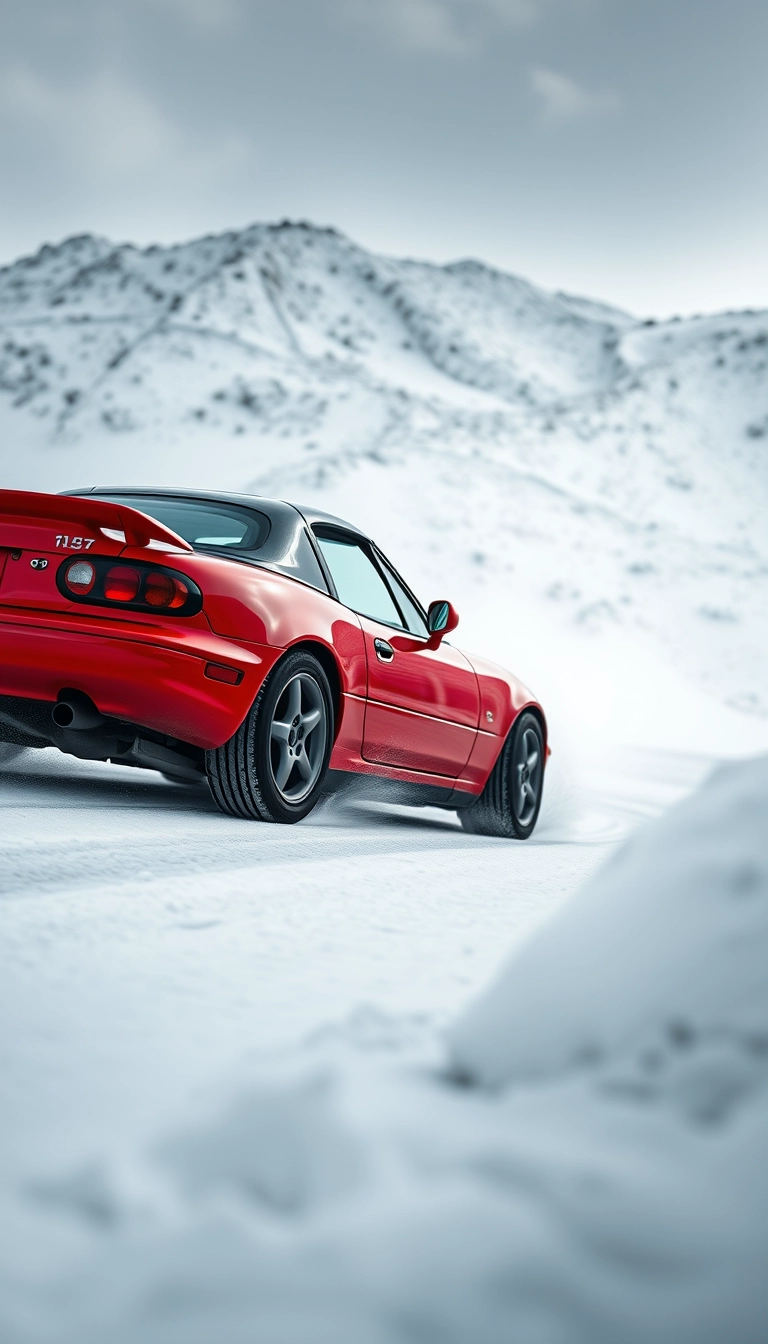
pixel 442 618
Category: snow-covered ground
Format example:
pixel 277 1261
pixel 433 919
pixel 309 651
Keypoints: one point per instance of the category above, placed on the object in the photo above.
pixel 244 1091
pixel 230 1108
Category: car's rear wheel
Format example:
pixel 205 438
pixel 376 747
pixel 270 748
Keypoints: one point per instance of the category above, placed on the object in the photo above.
pixel 509 804
pixel 273 768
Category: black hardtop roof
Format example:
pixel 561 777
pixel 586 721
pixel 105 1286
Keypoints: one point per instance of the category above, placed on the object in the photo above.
pixel 282 547
pixel 306 511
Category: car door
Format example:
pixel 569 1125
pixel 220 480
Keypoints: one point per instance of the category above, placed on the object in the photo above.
pixel 423 702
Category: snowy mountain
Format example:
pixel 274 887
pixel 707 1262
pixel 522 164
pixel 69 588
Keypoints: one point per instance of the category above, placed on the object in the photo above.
pixel 604 473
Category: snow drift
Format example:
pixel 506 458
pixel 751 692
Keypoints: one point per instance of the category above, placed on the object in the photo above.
pixel 587 1167
pixel 662 958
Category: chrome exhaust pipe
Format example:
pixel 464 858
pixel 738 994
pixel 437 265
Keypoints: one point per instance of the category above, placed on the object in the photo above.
pixel 76 710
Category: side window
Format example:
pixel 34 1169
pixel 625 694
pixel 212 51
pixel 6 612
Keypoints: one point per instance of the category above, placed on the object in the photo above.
pixel 358 583
pixel 413 617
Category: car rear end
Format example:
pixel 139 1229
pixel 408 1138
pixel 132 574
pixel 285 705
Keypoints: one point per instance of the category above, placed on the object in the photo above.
pixel 100 607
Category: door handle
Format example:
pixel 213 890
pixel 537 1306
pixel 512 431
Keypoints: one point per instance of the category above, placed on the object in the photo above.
pixel 384 651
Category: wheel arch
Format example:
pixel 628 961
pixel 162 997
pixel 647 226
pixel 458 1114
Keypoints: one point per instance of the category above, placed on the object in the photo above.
pixel 528 707
pixel 538 713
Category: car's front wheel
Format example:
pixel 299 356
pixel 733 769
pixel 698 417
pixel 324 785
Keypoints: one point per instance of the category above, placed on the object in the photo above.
pixel 273 767
pixel 509 804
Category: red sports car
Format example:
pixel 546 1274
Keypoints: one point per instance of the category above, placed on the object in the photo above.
pixel 267 647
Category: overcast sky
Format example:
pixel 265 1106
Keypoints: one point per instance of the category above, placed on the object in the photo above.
pixel 617 148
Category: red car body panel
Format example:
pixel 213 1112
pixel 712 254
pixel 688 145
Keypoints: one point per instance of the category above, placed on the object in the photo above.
pixel 502 696
pixel 431 716
pixel 423 707
pixel 257 606
pixel 151 677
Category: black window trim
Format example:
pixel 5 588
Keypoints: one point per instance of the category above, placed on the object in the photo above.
pixel 371 551
pixel 327 575
pixel 385 564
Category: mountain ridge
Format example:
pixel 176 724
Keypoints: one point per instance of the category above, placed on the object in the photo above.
pixel 626 458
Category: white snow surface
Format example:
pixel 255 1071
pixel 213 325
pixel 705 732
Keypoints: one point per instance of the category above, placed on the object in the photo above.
pixel 580 1157
pixel 254 1084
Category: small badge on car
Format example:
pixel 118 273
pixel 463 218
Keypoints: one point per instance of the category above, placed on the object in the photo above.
pixel 39 564
pixel 489 715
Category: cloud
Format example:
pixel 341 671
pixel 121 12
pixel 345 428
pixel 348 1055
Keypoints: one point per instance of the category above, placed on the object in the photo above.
pixel 106 126
pixel 562 100
pixel 203 16
pixel 439 27
pixel 513 13
pixel 418 27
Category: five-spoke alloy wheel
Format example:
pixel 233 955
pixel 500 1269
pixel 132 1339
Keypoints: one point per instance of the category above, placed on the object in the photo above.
pixel 298 737
pixel 527 768
pixel 273 768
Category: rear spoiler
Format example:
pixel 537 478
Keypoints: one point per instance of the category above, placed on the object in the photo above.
pixel 71 522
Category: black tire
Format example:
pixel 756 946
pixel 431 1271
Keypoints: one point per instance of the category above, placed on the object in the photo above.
pixel 246 775
pixel 509 805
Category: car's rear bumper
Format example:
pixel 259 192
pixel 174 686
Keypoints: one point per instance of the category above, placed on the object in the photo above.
pixel 151 677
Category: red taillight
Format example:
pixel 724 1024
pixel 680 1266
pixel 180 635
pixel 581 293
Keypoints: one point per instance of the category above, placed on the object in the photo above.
pixel 150 588
pixel 80 576
pixel 122 583
pixel 165 590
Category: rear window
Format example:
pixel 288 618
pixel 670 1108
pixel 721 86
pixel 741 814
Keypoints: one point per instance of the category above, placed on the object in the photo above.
pixel 220 526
